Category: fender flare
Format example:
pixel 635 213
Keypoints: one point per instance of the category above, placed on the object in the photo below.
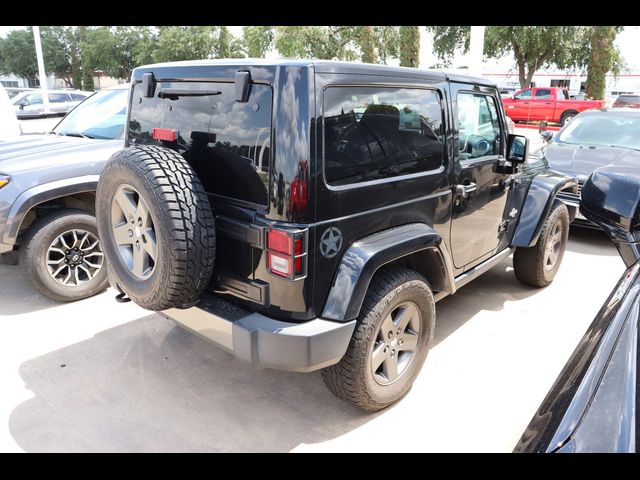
pixel 40 194
pixel 365 256
pixel 537 206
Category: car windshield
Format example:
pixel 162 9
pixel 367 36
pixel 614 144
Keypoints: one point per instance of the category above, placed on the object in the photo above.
pixel 103 116
pixel 602 129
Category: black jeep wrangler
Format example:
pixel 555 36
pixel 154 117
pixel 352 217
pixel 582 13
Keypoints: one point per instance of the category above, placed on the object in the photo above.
pixel 307 215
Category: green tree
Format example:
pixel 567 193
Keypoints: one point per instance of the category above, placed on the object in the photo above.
pixel 338 42
pixel 18 54
pixel 531 46
pixel 184 43
pixel 410 46
pixel 74 53
pixel 118 50
pixel 258 40
pixel 87 69
pixel 367 43
pixel 603 57
pixel 227 45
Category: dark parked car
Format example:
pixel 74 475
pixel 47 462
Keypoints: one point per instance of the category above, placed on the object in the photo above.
pixel 47 197
pixel 307 215
pixel 593 139
pixel 594 405
pixel 627 101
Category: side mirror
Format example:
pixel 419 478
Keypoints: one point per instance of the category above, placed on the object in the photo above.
pixel 517 148
pixel 22 105
pixel 546 135
pixel 611 200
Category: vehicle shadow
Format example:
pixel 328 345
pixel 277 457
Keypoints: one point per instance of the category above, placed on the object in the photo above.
pixel 148 385
pixel 488 292
pixel 590 242
pixel 18 294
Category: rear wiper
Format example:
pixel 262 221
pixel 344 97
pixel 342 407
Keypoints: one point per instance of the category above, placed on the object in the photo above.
pixel 175 93
pixel 75 134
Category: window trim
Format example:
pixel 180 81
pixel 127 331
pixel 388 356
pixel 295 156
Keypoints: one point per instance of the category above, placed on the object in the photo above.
pixel 501 121
pixel 442 97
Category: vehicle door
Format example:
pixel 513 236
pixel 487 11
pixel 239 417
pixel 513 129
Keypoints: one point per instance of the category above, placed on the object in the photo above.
pixel 31 105
pixel 519 108
pixel 542 104
pixel 479 187
pixel 59 102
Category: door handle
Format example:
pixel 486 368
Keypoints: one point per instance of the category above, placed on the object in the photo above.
pixel 547 103
pixel 526 103
pixel 464 190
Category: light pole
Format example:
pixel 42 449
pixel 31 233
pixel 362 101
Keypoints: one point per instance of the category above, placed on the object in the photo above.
pixel 41 72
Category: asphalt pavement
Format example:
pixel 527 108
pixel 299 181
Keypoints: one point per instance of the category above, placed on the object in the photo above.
pixel 97 375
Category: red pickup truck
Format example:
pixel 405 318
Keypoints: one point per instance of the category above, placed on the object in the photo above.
pixel 546 103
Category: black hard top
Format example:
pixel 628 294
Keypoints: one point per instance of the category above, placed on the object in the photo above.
pixel 329 66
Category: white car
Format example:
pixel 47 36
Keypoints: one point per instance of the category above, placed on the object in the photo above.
pixel 29 104
pixel 8 120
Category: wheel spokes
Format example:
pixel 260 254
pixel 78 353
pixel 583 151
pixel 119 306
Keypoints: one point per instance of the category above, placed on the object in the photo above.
pixel 405 315
pixel 409 342
pixel 395 343
pixel 126 203
pixel 123 234
pixel 390 368
pixel 77 262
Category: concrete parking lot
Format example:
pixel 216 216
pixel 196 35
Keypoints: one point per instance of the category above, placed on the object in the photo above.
pixel 97 375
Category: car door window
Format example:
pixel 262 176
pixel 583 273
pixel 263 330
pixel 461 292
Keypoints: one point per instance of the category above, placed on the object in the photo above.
pixel 543 94
pixel 58 98
pixel 478 126
pixel 33 99
pixel 524 95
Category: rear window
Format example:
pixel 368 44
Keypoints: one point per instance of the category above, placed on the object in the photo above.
pixel 227 143
pixel 628 99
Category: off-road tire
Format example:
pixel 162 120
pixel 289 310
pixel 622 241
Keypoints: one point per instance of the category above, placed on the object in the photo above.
pixel 182 219
pixel 529 262
pixel 34 248
pixel 351 379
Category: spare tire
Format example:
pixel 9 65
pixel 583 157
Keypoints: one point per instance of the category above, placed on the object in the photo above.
pixel 156 227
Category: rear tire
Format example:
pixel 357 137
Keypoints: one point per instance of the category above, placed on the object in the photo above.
pixel 537 266
pixel 567 117
pixel 379 367
pixel 156 226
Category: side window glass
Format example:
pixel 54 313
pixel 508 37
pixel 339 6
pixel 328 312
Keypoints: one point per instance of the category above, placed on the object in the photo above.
pixel 478 126
pixel 543 94
pixel 372 133
pixel 524 95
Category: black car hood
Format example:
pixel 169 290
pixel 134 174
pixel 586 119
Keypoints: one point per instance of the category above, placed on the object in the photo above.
pixel 582 160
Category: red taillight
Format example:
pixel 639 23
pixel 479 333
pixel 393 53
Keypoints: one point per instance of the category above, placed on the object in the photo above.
pixel 165 134
pixel 279 241
pixel 286 253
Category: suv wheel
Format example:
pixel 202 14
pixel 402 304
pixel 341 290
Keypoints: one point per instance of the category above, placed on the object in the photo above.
pixel 538 265
pixel 389 344
pixel 62 256
pixel 156 226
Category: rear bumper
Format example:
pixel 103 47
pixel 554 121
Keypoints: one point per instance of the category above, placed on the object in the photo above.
pixel 264 341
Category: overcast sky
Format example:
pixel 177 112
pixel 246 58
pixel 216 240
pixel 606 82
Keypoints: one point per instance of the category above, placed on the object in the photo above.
pixel 627 42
